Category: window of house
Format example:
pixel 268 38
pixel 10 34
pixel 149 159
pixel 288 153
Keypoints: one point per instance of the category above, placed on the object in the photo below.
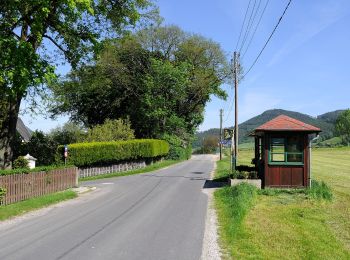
pixel 286 150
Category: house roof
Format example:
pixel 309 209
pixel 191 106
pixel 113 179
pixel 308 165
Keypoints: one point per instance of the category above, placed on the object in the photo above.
pixel 286 123
pixel 24 131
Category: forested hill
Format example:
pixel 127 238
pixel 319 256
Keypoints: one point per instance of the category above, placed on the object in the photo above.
pixel 324 121
pixel 330 117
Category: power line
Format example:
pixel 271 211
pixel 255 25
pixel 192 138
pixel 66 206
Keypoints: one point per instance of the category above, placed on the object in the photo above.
pixel 279 21
pixel 256 27
pixel 245 16
pixel 250 24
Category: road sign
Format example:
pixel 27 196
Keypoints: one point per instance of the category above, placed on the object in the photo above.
pixel 228 134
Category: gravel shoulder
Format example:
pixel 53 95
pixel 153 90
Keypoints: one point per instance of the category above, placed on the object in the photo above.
pixel 211 249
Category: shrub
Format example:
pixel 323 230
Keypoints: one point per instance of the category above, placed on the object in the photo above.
pixel 111 130
pixel 42 147
pixel 319 191
pixel 67 134
pixel 178 150
pixel 27 170
pixel 87 154
pixel 20 163
pixel 2 193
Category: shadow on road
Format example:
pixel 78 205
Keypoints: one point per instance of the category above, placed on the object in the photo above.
pixel 212 184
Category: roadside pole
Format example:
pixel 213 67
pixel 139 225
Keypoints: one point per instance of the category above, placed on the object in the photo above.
pixel 235 58
pixel 220 143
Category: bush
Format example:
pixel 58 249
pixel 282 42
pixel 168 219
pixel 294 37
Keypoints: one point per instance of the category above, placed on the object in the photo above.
pixel 27 170
pixel 97 153
pixel 20 163
pixel 178 150
pixel 319 191
pixel 111 130
pixel 2 193
pixel 42 147
pixel 67 134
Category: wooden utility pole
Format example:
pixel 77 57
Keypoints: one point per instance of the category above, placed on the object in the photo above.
pixel 235 61
pixel 220 144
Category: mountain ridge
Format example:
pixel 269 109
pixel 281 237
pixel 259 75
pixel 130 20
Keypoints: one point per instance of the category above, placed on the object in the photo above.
pixel 324 121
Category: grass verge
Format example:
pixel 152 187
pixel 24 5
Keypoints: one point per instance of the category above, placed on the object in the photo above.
pixel 233 204
pixel 149 168
pixel 293 223
pixel 19 208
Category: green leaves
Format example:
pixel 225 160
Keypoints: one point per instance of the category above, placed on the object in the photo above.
pixel 342 126
pixel 111 130
pixel 87 154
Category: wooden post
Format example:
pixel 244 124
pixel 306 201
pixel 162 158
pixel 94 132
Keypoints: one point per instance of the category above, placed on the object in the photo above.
pixel 236 108
pixel 220 144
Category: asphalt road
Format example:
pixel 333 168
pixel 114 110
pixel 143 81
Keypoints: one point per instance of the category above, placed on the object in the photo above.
pixel 157 215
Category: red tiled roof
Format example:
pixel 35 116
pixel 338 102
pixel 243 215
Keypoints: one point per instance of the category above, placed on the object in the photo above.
pixel 286 123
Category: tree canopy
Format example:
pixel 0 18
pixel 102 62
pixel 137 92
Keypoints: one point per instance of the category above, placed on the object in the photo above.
pixel 34 34
pixel 160 81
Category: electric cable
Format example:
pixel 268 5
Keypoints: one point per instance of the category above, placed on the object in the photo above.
pixel 279 21
pixel 256 27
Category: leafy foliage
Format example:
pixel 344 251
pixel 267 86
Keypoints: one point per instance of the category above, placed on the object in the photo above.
pixel 42 147
pixel 97 153
pixel 72 28
pixel 27 170
pixel 342 126
pixel 20 163
pixel 2 193
pixel 111 130
pixel 67 134
pixel 160 78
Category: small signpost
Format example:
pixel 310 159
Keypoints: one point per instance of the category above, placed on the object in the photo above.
pixel 65 154
pixel 228 138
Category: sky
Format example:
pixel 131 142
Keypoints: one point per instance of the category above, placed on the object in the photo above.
pixel 304 68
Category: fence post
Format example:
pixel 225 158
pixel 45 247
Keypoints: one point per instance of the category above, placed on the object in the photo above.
pixel 76 177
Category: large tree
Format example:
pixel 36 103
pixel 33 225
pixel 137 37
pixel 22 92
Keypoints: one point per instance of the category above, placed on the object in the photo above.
pixel 161 78
pixel 31 31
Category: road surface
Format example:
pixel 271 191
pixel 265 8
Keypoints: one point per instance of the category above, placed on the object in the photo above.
pixel 157 215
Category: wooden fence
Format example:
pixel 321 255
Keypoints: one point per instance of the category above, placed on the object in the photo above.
pixel 122 167
pixel 29 185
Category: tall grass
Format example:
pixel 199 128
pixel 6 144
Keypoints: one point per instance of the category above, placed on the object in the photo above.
pixel 233 204
pixel 319 191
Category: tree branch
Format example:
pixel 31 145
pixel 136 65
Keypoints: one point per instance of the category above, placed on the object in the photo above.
pixel 66 52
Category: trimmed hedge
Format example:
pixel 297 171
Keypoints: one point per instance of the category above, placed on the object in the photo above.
pixel 36 169
pixel 87 154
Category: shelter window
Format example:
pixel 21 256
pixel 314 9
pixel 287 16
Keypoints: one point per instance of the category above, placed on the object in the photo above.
pixel 286 150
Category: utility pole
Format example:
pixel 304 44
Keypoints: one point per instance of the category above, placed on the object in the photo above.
pixel 220 144
pixel 235 58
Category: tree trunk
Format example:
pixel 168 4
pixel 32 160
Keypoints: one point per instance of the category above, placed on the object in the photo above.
pixel 8 121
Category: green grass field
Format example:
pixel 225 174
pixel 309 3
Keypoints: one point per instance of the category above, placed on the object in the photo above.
pixel 292 226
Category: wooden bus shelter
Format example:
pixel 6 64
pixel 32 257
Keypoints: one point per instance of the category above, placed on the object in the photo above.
pixel 282 154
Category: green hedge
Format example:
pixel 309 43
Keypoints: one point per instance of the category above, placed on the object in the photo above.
pixel 86 154
pixel 36 169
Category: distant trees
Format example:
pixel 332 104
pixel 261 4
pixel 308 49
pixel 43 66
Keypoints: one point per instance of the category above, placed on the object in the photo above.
pixel 342 126
pixel 210 144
